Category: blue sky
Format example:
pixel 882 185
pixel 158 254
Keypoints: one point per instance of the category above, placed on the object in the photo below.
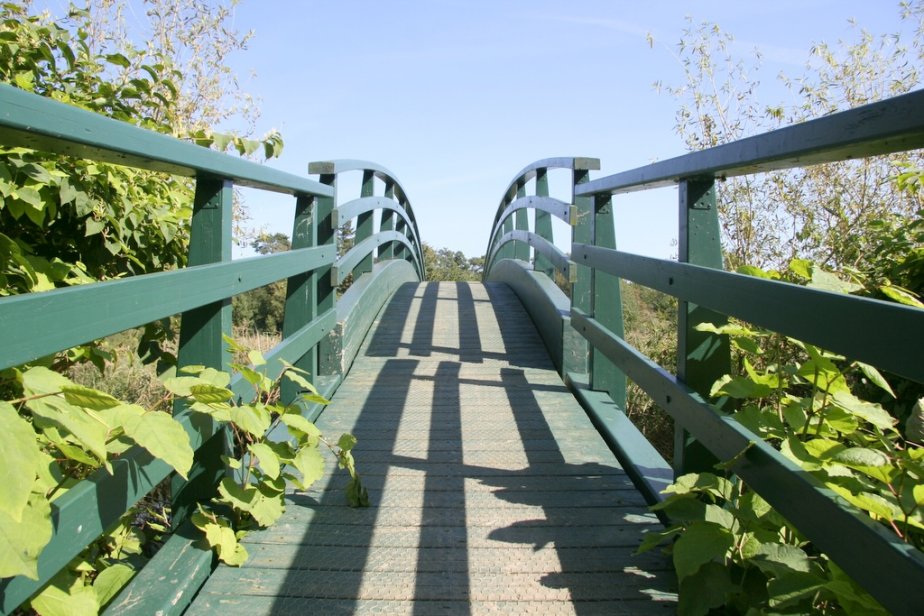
pixel 456 96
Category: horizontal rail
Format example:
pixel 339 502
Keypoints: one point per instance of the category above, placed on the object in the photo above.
pixel 893 125
pixel 556 207
pixel 352 209
pixel 40 123
pixel 559 259
pixel 529 171
pixel 860 328
pixel 797 495
pixel 357 253
pixel 336 167
pixel 59 319
pixel 96 503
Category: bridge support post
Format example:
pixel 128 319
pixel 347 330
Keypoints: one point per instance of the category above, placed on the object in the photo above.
pixel 201 340
pixel 388 224
pixel 702 357
pixel 364 224
pixel 326 291
pixel 521 223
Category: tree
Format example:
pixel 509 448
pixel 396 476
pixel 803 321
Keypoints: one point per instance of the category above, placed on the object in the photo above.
pixel 451 265
pixel 825 213
pixel 263 309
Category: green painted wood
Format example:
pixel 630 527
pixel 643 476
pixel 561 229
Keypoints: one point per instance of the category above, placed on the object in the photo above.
pixel 201 332
pixel 607 305
pixel 560 262
pixel 815 316
pixel 358 308
pixel 168 583
pixel 543 205
pixel 521 223
pixel 387 222
pixel 348 262
pixel 702 358
pixel 38 122
pixel 649 471
pixel 892 125
pixel 301 305
pixel 545 303
pixel 63 318
pixel 325 288
pixel 543 220
pixel 579 355
pixel 816 511
pixel 490 487
pixel 367 205
pixel 364 227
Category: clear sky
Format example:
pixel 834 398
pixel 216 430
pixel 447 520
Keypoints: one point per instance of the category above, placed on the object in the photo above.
pixel 456 96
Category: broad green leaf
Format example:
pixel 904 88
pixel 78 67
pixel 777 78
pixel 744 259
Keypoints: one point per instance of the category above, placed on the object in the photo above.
pixel 875 377
pixel 706 589
pixel 652 539
pixel 720 516
pixel 295 375
pixel 164 437
pixel 739 387
pixel 801 267
pixel 21 461
pixel 253 419
pixel 823 448
pixel 210 394
pixel 751 270
pixel 217 378
pixel 268 459
pixel 867 411
pixel 265 507
pixel 41 380
pixel 701 543
pixel 78 600
pixel 310 464
pixel 21 542
pixel 182 385
pixel 110 581
pixel 873 503
pixel 793 587
pixel 346 442
pixel 87 427
pixel 256 357
pixel 299 425
pixel 356 493
pixel 781 559
pixel 78 395
pixel 901 296
pixel 826 281
pixel 258 380
pixel 861 456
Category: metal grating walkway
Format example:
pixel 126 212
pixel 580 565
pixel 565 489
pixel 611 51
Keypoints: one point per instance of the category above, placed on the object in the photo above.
pixel 491 490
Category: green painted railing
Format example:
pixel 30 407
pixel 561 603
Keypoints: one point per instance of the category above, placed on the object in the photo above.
pixel 39 324
pixel 888 568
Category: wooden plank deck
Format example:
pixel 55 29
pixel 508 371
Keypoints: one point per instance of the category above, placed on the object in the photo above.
pixel 491 490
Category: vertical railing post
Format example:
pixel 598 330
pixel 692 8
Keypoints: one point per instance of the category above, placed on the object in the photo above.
pixel 401 251
pixel 364 224
pixel 543 224
pixel 301 290
pixel 326 292
pixel 201 342
pixel 607 304
pixel 388 223
pixel 578 352
pixel 521 223
pixel 701 357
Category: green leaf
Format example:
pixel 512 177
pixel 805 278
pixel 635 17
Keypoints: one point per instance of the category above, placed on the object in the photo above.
pixel 781 559
pixel 85 426
pixel 111 580
pixel 256 357
pixel 751 270
pixel 268 459
pixel 160 434
pixel 704 590
pixel 300 426
pixel 914 425
pixel 265 506
pixel 792 588
pixel 901 296
pixel 346 442
pixel 740 387
pixel 78 600
pixel 21 461
pixel 701 543
pixel 310 463
pixel 78 395
pixel 356 493
pixel 801 267
pixel 182 385
pixel 826 281
pixel 861 456
pixel 867 411
pixel 253 419
pixel 210 394
pixel 22 541
pixel 875 377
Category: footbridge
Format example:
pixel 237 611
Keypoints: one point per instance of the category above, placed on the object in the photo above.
pixel 503 473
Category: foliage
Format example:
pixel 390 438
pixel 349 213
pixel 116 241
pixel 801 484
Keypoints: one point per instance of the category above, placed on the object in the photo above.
pixel 803 400
pixel 821 212
pixel 451 265
pixel 263 461
pixel 263 309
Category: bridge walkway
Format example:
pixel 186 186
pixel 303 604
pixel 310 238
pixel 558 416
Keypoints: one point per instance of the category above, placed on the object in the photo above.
pixel 491 491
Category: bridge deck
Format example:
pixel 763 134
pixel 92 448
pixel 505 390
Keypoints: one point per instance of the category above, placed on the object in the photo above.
pixel 491 490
